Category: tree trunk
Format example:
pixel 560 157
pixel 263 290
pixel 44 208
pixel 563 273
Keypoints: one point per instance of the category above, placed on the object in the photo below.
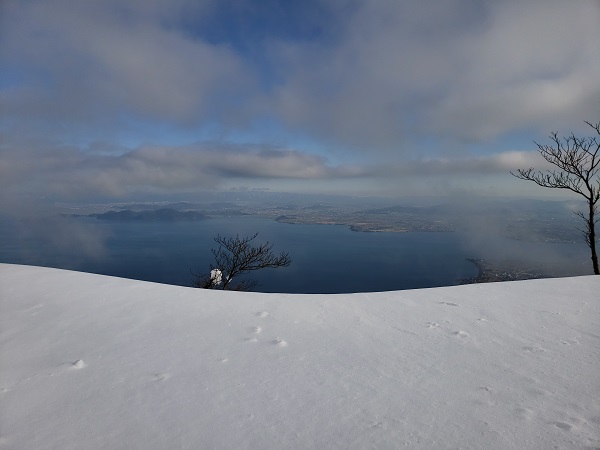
pixel 592 238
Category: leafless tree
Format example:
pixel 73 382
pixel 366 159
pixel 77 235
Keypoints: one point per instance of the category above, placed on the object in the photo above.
pixel 578 161
pixel 236 256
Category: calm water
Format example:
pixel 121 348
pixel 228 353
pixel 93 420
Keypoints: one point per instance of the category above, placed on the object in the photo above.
pixel 325 258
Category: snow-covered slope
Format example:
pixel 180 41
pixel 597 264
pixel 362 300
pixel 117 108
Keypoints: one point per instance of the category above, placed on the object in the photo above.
pixel 90 362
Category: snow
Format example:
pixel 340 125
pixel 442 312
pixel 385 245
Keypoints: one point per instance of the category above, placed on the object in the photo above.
pixel 90 361
pixel 216 277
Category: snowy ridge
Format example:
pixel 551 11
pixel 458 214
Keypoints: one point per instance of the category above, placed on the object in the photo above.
pixel 89 362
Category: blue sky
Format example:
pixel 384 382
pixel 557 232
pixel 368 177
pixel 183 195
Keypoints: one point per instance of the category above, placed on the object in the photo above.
pixel 145 98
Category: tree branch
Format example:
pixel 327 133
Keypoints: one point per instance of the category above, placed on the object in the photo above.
pixel 579 162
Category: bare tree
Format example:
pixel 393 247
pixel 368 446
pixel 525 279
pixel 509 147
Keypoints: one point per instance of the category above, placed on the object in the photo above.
pixel 578 161
pixel 235 256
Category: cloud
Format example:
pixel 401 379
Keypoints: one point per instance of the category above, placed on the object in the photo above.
pixel 95 61
pixel 499 163
pixel 42 234
pixel 523 70
pixel 459 70
pixel 377 75
pixel 76 173
pixel 42 169
pixel 400 84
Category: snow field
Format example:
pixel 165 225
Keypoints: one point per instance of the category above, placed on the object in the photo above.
pixel 91 362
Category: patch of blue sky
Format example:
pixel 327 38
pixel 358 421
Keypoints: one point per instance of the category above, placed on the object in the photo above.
pixel 136 132
pixel 242 25
pixel 15 77
pixel 267 132
pixel 11 78
pixel 252 29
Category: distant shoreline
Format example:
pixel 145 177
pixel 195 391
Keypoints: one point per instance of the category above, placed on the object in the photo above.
pixel 366 227
pixel 490 273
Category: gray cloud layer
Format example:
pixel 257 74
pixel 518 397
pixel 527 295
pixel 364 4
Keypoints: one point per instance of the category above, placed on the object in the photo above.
pixel 385 76
pixel 69 173
pixel 88 60
pixel 462 69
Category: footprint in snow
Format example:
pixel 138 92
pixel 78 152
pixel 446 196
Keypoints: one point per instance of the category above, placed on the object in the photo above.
pixel 449 304
pixel 432 325
pixel 563 426
pixel 461 334
pixel 262 314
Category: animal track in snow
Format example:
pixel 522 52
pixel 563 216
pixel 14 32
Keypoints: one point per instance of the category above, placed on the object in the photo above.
pixel 160 376
pixel 262 314
pixel 449 304
pixel 79 364
pixel 280 342
pixel 254 330
pixel 405 331
pixel 432 325
pixel 462 334
pixel 533 349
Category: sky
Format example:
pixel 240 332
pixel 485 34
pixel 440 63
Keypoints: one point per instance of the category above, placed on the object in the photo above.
pixel 105 99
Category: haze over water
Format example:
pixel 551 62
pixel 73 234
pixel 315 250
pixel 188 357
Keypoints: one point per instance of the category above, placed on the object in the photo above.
pixel 325 258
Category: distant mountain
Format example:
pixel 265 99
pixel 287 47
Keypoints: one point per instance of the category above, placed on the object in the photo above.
pixel 211 209
pixel 227 213
pixel 166 214
pixel 222 205
pixel 179 206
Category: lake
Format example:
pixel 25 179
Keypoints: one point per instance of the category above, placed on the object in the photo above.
pixel 325 258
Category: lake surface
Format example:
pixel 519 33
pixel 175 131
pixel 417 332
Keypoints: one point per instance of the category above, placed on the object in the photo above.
pixel 325 258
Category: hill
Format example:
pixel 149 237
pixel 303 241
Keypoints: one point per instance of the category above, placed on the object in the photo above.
pixel 157 214
pixel 91 362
